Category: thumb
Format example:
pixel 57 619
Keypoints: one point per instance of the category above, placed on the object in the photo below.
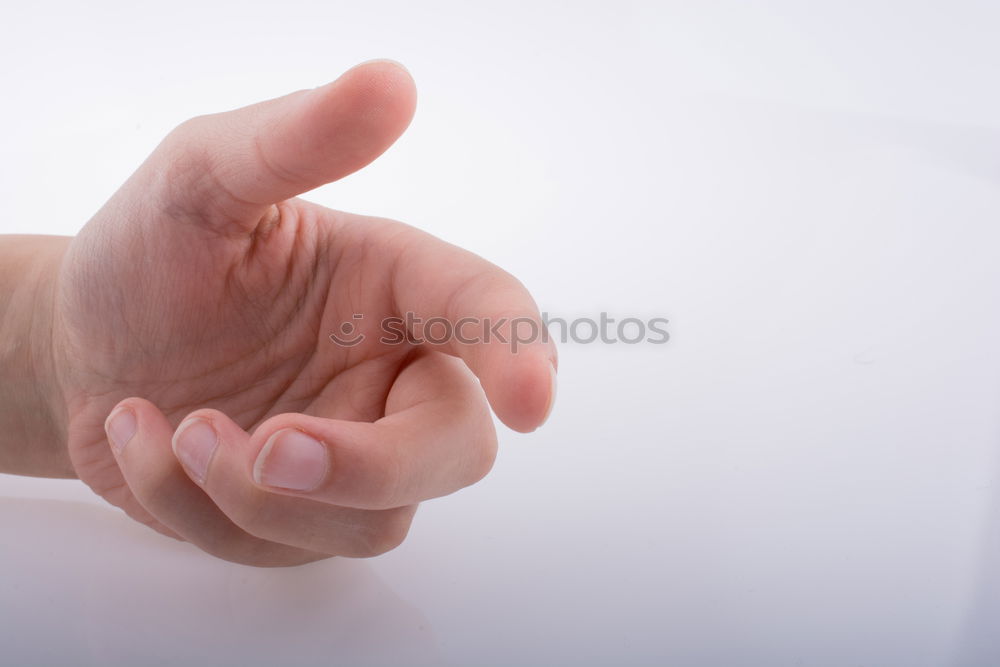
pixel 226 169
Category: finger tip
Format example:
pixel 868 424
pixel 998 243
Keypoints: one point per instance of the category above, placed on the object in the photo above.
pixel 385 64
pixel 388 84
pixel 553 392
pixel 531 395
pixel 361 115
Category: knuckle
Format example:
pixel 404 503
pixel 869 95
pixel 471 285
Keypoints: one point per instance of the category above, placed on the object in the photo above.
pixel 482 449
pixel 183 178
pixel 155 489
pixel 484 457
pixel 236 547
pixel 384 478
pixel 153 482
pixel 383 532
pixel 253 515
pixel 186 130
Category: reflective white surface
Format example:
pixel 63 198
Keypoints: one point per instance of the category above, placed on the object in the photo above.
pixel 806 474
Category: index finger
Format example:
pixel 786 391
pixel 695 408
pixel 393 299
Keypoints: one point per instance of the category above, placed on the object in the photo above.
pixel 495 325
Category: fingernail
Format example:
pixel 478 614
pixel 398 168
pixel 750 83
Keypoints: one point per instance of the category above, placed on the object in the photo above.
pixel 121 426
pixel 194 445
pixel 553 378
pixel 291 460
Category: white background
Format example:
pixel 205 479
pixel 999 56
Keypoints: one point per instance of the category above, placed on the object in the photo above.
pixel 806 474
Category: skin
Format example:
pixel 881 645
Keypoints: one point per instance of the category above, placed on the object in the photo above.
pixel 204 293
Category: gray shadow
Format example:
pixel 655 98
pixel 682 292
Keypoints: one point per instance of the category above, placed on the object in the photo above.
pixel 82 584
pixel 979 639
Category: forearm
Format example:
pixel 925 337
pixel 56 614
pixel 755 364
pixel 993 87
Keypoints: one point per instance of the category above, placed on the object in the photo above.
pixel 32 421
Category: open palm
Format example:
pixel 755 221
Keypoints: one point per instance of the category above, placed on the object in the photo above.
pixel 197 307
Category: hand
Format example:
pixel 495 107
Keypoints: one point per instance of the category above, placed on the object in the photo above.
pixel 203 393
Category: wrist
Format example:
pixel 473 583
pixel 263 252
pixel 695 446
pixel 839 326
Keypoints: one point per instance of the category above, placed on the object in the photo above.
pixel 32 409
